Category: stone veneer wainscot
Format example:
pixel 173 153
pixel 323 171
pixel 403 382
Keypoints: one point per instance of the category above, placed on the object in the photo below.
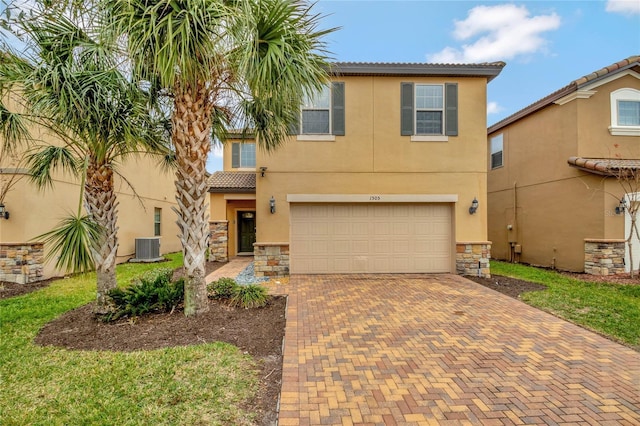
pixel 218 237
pixel 271 259
pixel 21 263
pixel 604 257
pixel 472 258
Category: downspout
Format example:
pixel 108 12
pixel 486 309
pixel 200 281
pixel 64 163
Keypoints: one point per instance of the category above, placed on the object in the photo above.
pixel 515 222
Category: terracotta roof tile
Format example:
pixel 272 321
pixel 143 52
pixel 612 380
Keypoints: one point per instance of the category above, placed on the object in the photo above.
pixel 605 166
pixel 630 62
pixel 232 182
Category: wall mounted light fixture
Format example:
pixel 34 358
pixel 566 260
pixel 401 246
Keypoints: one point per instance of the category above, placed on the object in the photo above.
pixel 474 206
pixel 3 212
pixel 622 206
pixel 262 170
pixel 272 205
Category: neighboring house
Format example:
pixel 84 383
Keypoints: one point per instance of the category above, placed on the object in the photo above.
pixel 552 186
pixel 147 212
pixel 381 178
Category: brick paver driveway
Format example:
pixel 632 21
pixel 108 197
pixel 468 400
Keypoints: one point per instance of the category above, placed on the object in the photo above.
pixel 382 349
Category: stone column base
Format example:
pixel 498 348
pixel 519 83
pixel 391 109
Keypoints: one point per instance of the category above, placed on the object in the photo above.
pixel 271 259
pixel 604 257
pixel 472 258
pixel 21 263
pixel 218 240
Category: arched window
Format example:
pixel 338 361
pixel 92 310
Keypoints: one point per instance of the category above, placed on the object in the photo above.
pixel 625 112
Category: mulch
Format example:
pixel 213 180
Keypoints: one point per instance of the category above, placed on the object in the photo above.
pixel 506 285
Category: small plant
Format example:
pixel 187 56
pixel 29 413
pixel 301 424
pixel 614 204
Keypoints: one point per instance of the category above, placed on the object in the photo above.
pixel 249 296
pixel 224 288
pixel 152 292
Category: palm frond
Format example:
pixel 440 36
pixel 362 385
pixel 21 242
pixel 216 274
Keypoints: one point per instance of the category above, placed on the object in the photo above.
pixel 47 159
pixel 13 129
pixel 170 40
pixel 71 242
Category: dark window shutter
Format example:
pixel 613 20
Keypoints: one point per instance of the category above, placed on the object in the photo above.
pixel 406 112
pixel 235 155
pixel 337 108
pixel 451 105
pixel 294 127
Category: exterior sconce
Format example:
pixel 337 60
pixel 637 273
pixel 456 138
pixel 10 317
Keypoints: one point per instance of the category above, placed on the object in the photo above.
pixel 262 170
pixel 3 212
pixel 272 205
pixel 622 206
pixel 474 206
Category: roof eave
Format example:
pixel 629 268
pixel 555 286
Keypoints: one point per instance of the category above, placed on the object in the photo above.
pixel 488 70
pixel 217 190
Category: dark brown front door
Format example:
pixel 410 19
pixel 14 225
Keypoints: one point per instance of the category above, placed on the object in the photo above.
pixel 246 231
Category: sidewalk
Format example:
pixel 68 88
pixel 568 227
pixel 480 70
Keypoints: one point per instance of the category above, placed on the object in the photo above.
pixel 231 270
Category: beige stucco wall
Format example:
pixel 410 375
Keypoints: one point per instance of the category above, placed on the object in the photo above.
pixel 373 158
pixel 558 206
pixel 34 212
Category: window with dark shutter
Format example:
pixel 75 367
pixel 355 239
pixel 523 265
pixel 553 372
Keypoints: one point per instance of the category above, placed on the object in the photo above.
pixel 406 112
pixel 451 106
pixel 337 109
pixel 235 155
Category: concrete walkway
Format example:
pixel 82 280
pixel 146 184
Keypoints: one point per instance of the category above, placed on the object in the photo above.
pixel 231 269
pixel 387 350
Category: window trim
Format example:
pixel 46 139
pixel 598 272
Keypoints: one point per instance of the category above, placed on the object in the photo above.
pixel 416 110
pixel 157 222
pixel 329 111
pixel 624 94
pixel 238 166
pixel 501 152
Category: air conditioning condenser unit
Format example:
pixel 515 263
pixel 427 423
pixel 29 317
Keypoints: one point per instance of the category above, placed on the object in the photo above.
pixel 147 250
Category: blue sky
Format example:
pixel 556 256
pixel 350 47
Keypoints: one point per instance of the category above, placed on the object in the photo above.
pixel 546 44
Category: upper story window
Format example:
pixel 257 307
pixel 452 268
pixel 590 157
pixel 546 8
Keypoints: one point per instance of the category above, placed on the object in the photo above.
pixel 625 112
pixel 316 113
pixel 429 112
pixel 322 115
pixel 496 151
pixel 243 156
pixel 429 109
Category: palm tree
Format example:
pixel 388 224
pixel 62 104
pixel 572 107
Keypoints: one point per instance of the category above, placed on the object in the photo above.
pixel 223 63
pixel 68 81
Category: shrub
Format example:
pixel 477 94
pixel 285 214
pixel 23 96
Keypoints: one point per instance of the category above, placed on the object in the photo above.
pixel 152 292
pixel 224 288
pixel 249 296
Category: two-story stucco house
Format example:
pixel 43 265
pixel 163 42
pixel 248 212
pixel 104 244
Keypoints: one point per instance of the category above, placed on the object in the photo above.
pixel 554 199
pixel 387 173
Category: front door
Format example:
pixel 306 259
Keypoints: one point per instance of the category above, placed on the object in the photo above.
pixel 246 231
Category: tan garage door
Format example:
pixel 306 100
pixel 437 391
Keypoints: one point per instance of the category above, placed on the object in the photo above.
pixel 370 238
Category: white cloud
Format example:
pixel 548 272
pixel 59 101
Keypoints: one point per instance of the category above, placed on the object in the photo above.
pixel 497 33
pixel 493 108
pixel 624 6
pixel 217 150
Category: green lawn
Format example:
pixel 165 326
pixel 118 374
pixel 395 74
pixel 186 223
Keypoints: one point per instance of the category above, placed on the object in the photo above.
pixel 610 309
pixel 204 384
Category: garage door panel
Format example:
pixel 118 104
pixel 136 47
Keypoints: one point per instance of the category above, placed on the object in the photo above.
pixel 370 238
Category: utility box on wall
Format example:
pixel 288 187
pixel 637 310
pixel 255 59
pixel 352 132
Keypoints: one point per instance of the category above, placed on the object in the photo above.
pixel 147 250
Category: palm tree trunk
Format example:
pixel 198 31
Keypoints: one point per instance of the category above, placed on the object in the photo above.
pixel 102 206
pixel 191 121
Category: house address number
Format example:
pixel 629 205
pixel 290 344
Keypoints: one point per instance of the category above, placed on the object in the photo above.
pixel 375 198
